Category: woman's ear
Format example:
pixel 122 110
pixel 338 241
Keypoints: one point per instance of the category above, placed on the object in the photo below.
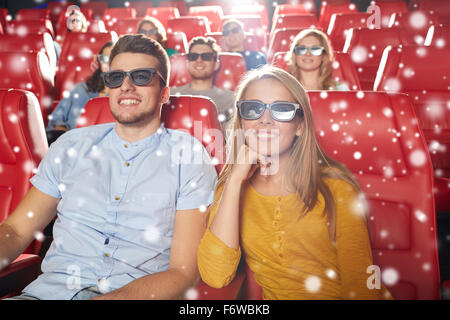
pixel 299 130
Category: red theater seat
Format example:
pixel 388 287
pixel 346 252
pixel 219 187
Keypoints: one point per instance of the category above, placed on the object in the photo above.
pixel 328 9
pixel 388 8
pixel 140 7
pixel 180 5
pixel 76 47
pixel 232 67
pixel 163 14
pixel 28 71
pixel 97 7
pixel 294 20
pixel 300 8
pixel 343 69
pixel 32 42
pixel 214 15
pixel 23 144
pixel 423 75
pixel 177 41
pixel 56 8
pixel 415 23
pixel 341 23
pixel 438 36
pixel 281 41
pixel 191 26
pixel 439 7
pixel 125 26
pixel 25 27
pixel 366 46
pixel 118 13
pixel 253 9
pixel 32 14
pixel 376 136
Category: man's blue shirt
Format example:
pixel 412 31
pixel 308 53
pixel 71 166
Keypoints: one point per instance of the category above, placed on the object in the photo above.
pixel 118 205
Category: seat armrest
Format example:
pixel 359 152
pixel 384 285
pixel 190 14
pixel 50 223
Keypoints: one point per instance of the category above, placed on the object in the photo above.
pixel 19 274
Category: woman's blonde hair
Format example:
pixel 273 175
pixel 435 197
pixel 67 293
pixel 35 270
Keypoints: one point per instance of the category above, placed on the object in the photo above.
pixel 325 78
pixel 308 165
pixel 162 35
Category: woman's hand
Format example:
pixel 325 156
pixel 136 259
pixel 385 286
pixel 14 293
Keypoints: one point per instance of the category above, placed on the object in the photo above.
pixel 247 162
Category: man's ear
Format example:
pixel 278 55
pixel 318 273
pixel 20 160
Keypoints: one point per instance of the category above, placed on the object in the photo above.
pixel 165 95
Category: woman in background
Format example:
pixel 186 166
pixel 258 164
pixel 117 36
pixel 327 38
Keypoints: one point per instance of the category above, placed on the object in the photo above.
pixel 310 61
pixel 154 29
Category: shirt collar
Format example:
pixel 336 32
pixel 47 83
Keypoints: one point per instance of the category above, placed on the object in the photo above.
pixel 151 142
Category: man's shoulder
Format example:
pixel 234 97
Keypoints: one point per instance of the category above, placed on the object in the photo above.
pixel 81 135
pixel 222 91
pixel 180 89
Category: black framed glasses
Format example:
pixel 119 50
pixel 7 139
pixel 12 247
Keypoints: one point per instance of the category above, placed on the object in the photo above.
pixel 279 111
pixel 148 32
pixel 314 50
pixel 102 58
pixel 234 30
pixel 140 77
pixel 206 56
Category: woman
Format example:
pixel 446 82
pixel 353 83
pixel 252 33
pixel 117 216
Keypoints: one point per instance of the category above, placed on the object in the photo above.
pixel 310 61
pixel 153 28
pixel 65 116
pixel 290 208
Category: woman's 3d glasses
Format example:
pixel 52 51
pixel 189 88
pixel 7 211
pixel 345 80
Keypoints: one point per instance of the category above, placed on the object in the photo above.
pixel 279 111
pixel 315 50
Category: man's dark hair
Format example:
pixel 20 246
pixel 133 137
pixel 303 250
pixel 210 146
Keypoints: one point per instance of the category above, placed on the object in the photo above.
pixel 209 41
pixel 138 43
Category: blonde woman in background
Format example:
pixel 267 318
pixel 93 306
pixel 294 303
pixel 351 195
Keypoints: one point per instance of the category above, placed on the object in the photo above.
pixel 310 61
pixel 295 213
pixel 154 29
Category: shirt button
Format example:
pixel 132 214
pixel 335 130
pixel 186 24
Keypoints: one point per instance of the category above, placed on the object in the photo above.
pixel 117 198
pixel 125 145
pixel 279 198
pixel 275 224
pixel 280 255
pixel 107 255
pixel 279 238
pixel 127 164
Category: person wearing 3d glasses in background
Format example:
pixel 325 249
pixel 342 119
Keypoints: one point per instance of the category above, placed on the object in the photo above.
pixel 310 61
pixel 66 114
pixel 128 198
pixel 154 29
pixel 234 36
pixel 202 63
pixel 294 214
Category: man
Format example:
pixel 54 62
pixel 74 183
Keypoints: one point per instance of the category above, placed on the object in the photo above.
pixel 128 219
pixel 233 35
pixel 202 62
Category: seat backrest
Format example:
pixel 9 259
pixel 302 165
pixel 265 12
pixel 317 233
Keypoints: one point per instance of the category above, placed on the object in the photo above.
pixel 125 26
pixel 366 46
pixel 250 42
pixel 163 14
pixel 232 67
pixel 214 15
pixel 340 23
pixel 415 23
pixel 140 7
pixel 97 7
pixel 118 13
pixel 32 42
pixel 343 69
pixel 376 136
pixel 56 8
pixel 177 41
pixel 78 46
pixel 388 8
pixel 259 10
pixel 23 144
pixel 438 36
pixel 180 5
pixel 281 40
pixel 328 9
pixel 181 112
pixel 25 27
pixel 32 14
pixel 300 8
pixel 440 7
pixel 294 20
pixel 28 71
pixel 191 26
pixel 77 70
pixel 430 97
